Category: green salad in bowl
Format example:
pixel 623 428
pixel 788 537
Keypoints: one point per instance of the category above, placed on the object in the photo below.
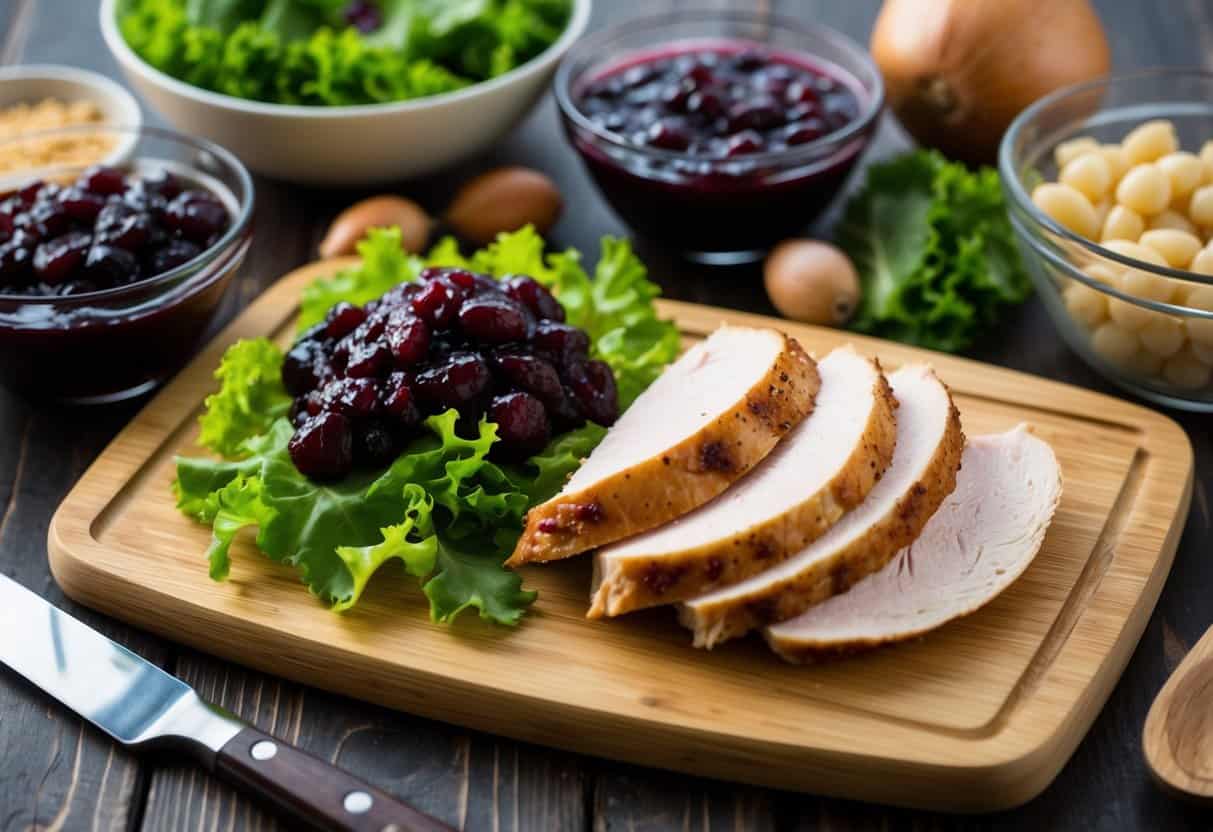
pixel 339 52
pixel 343 92
pixel 424 405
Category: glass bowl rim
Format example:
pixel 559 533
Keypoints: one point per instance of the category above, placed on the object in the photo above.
pixel 238 229
pixel 562 86
pixel 1023 200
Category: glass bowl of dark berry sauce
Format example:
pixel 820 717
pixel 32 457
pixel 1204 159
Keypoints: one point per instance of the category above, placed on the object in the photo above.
pixel 109 274
pixel 719 133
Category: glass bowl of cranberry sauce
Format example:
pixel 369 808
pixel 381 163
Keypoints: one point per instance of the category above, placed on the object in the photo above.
pixel 719 133
pixel 110 273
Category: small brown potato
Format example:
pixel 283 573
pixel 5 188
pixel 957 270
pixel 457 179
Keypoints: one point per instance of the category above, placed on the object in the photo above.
pixel 504 199
pixel 1068 207
pixel 811 281
pixel 1176 247
pixel 351 225
pixel 1114 343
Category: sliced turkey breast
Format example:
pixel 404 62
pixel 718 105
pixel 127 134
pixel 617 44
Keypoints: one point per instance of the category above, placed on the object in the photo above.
pixel 979 541
pixel 823 468
pixel 709 418
pixel 923 472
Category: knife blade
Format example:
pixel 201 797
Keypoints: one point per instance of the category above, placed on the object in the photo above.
pixel 142 707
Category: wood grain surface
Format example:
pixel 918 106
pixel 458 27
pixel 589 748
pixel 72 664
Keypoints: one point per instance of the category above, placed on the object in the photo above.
pixel 978 717
pixel 54 773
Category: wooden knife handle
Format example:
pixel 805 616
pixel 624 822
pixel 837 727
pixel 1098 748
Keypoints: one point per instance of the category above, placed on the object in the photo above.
pixel 312 791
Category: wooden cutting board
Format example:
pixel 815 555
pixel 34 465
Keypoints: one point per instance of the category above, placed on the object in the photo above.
pixel 978 716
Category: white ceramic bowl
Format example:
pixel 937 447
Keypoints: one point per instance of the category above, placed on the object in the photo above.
pixel 348 145
pixel 35 82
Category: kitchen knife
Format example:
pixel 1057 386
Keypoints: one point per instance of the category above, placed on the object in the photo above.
pixel 142 707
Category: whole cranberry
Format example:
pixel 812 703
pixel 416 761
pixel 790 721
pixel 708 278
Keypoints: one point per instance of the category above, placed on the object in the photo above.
pixel 103 180
pixel 408 337
pixel 56 260
pixel 197 215
pixel 535 296
pixel 343 319
pixel 495 320
pixel 437 304
pixel 522 424
pixel 351 396
pixel 111 266
pixel 176 252
pixel 323 447
pixel 458 381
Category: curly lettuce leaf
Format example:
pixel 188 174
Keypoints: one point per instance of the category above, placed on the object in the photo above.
pixel 934 250
pixel 467 579
pixel 616 309
pixel 337 535
pixel 412 541
pixel 302 51
pixel 384 264
pixel 249 399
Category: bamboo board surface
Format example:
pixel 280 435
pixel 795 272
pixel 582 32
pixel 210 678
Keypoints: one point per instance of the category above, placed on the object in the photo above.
pixel 980 715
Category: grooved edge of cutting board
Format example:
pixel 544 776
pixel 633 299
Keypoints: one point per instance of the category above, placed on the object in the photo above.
pixel 980 715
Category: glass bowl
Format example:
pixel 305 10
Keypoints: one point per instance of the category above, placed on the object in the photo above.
pixel 718 210
pixel 111 344
pixel 1145 327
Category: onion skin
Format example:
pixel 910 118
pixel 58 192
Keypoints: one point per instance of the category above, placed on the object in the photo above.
pixel 957 72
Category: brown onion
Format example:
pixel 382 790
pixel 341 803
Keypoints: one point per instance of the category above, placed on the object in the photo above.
pixel 957 72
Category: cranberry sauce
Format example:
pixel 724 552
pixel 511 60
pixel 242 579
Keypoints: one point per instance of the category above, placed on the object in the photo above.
pixel 365 377
pixel 739 120
pixel 109 228
pixel 81 317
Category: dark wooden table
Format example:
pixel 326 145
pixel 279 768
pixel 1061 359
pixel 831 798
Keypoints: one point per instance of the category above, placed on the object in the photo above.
pixel 57 773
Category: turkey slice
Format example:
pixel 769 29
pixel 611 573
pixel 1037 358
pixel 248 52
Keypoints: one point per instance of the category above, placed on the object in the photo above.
pixel 982 538
pixel 823 468
pixel 923 472
pixel 709 418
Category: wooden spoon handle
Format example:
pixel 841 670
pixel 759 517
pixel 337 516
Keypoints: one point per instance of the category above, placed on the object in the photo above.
pixel 1178 737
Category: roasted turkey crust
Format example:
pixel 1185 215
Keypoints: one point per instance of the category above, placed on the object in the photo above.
pixel 632 583
pixel 779 601
pixel 684 476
